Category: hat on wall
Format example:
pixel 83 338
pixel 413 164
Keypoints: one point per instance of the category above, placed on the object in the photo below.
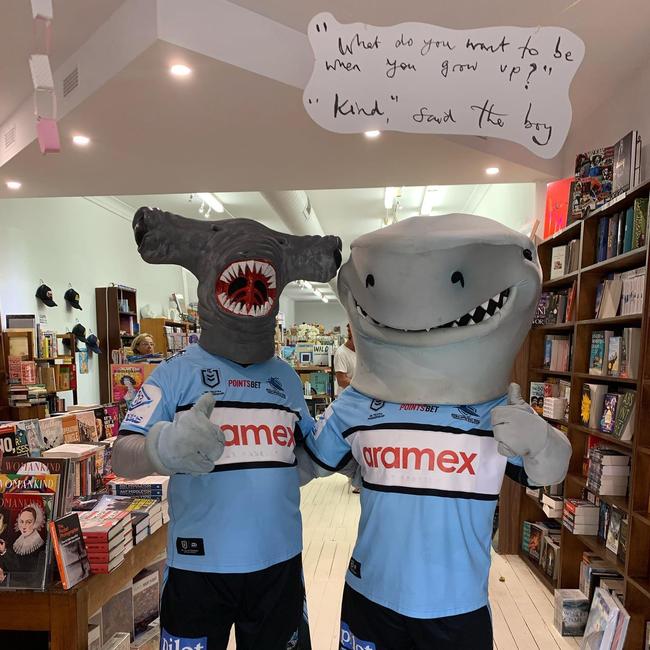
pixel 73 298
pixel 79 332
pixel 44 294
pixel 92 343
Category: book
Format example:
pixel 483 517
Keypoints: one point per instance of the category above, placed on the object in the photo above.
pixel 601 239
pixel 146 597
pixel 629 230
pixel 599 351
pixel 558 262
pixel 601 622
pixel 149 639
pixel 614 529
pixel 117 614
pixel 24 526
pixel 622 540
pixel 631 352
pixel 118 641
pixel 610 297
pixel 94 637
pixel 614 356
pixel 608 417
pixel 640 223
pixel 625 416
pixel 592 403
pixel 52 431
pixel 622 623
pixel 571 612
pixel 537 396
pixel 624 163
pixel 612 236
pixel 69 550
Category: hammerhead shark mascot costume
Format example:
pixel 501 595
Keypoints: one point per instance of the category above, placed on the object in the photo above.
pixel 223 419
pixel 439 307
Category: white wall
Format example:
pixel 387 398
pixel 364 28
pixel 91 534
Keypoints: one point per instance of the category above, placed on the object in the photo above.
pixel 73 240
pixel 624 111
pixel 288 308
pixel 328 314
pixel 513 204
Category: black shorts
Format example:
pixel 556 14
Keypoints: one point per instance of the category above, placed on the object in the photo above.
pixel 266 607
pixel 368 626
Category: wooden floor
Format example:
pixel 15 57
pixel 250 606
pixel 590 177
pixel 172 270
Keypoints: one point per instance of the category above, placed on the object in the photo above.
pixel 522 608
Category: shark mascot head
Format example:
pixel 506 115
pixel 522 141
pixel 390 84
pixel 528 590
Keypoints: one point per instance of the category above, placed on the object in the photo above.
pixel 242 267
pixel 439 307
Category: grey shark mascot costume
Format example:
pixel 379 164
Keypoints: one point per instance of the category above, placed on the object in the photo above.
pixel 223 419
pixel 439 307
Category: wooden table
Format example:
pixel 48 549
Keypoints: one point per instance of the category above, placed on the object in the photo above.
pixel 65 613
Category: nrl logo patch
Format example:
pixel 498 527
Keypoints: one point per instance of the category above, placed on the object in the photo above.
pixel 210 377
pixel 141 399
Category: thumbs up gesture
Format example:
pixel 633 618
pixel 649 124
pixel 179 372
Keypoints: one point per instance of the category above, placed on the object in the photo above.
pixel 517 428
pixel 190 445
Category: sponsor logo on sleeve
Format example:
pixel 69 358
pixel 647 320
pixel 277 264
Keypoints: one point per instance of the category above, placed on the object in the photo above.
pixel 275 387
pixel 468 414
pixel 376 406
pixel 351 642
pixel 210 377
pixel 171 642
pixel 144 405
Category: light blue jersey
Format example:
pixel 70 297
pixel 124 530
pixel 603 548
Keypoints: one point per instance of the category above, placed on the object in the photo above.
pixel 431 478
pixel 244 516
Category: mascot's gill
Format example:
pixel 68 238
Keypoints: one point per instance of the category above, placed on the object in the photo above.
pixel 223 419
pixel 439 307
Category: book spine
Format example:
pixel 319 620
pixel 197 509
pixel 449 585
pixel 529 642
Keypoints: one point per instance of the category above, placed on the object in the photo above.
pixel 57 554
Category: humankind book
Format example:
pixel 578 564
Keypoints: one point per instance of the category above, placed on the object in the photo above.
pixel 25 545
pixel 69 550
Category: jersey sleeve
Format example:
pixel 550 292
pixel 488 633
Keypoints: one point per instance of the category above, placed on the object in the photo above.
pixel 155 402
pixel 326 444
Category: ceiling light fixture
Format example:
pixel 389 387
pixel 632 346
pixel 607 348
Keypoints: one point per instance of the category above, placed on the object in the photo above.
pixel 389 197
pixel 14 185
pixel 212 201
pixel 202 208
pixel 81 140
pixel 180 70
pixel 325 299
pixel 431 198
pixel 492 171
pixel 372 134
pixel 207 214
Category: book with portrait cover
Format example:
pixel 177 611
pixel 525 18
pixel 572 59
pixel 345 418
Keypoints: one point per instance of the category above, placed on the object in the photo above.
pixel 25 545
pixel 69 550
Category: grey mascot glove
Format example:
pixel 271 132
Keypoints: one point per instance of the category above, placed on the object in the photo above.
pixel 190 445
pixel 521 432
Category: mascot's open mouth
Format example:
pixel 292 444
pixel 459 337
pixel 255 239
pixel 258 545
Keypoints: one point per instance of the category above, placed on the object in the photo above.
pixel 479 314
pixel 247 288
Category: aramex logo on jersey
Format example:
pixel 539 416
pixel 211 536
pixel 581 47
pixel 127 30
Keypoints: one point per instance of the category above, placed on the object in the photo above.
pixel 429 460
pixel 256 435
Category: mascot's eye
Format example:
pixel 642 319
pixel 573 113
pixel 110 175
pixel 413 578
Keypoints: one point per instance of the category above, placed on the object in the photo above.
pixel 370 281
pixel 457 277
pixel 281 241
pixel 528 254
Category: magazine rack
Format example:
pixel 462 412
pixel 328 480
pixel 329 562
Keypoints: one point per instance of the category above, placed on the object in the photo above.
pixel 65 613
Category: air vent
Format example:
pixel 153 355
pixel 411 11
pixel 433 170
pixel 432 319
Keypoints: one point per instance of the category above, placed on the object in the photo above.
pixel 10 137
pixel 71 82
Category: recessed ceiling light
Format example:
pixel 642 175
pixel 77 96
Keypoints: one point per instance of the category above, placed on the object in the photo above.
pixel 14 185
pixel 492 171
pixel 180 70
pixel 81 140
pixel 372 134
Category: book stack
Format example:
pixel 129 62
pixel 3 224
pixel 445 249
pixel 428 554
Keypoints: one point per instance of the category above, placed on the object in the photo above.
pixel 580 517
pixel 106 534
pixel 593 569
pixel 555 307
pixel 20 395
pixel 607 622
pixel 553 506
pixel 564 259
pixel 85 460
pixel 609 471
pixel 149 487
pixel 557 352
pixel 146 514
pixel 571 612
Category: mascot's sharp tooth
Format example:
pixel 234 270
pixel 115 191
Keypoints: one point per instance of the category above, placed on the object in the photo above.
pixel 256 267
pixel 455 324
pixel 237 308
pixel 271 283
pixel 485 304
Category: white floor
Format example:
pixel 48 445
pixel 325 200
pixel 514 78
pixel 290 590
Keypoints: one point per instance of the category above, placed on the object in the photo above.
pixel 522 607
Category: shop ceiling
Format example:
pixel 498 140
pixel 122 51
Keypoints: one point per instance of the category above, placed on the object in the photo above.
pixel 238 123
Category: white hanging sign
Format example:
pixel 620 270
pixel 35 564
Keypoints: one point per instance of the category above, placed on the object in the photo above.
pixel 502 82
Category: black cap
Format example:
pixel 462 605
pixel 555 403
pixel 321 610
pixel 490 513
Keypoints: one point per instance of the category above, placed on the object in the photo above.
pixel 73 298
pixel 44 294
pixel 80 332
pixel 92 343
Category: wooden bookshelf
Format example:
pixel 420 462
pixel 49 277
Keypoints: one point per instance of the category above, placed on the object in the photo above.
pixel 116 327
pixel 156 328
pixel 636 569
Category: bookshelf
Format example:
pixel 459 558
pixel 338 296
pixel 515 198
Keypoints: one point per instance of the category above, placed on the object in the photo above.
pixel 117 324
pixel 636 569
pixel 156 328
